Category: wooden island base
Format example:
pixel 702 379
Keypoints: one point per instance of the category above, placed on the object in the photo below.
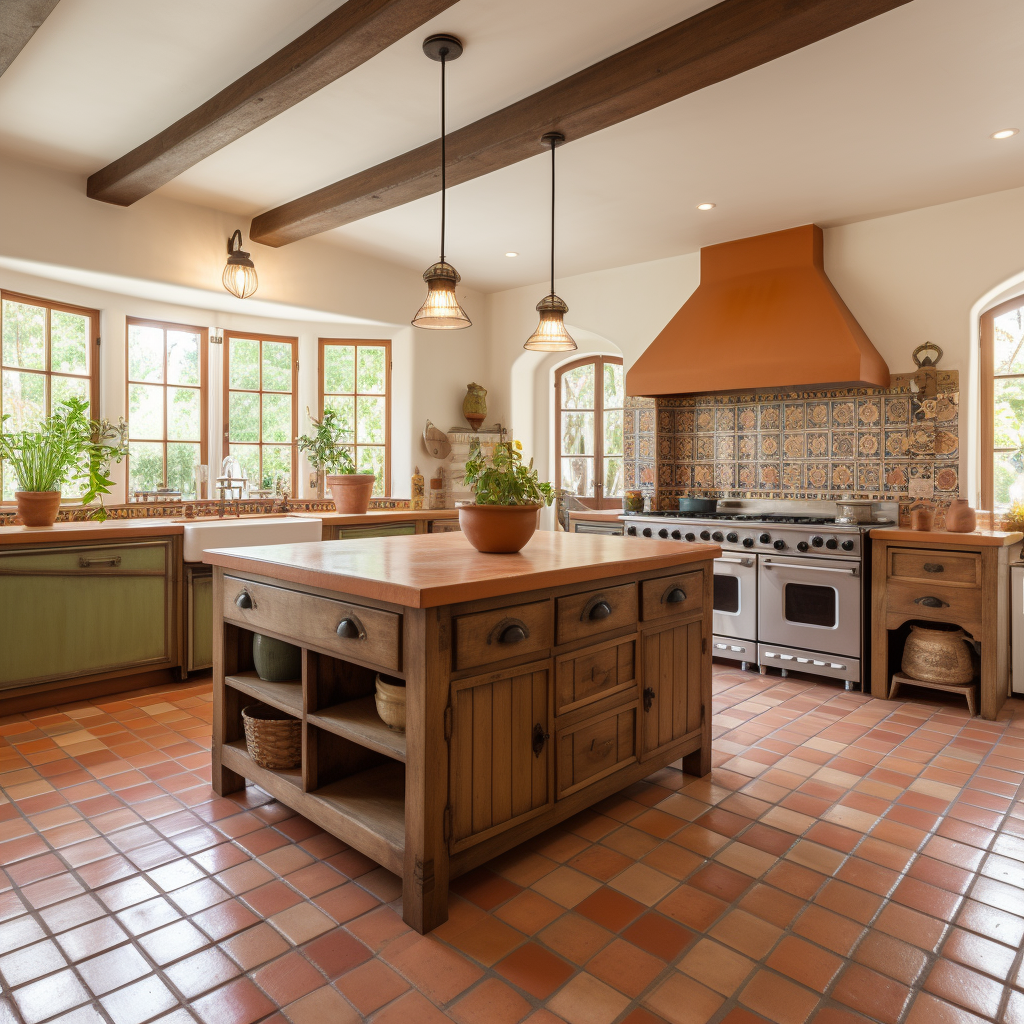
pixel 537 684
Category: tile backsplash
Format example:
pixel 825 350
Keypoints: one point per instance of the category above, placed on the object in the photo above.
pixel 856 442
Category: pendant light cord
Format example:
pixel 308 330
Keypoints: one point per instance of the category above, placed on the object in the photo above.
pixel 444 54
pixel 553 143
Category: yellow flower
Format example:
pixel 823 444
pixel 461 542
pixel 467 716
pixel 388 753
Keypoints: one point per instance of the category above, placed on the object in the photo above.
pixel 519 445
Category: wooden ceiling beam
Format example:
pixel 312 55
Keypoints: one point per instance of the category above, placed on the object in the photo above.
pixel 720 42
pixel 18 23
pixel 346 38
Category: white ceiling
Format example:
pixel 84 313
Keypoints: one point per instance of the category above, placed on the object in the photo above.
pixel 891 115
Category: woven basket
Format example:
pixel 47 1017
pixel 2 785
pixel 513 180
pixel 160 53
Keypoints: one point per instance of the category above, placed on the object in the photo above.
pixel 391 702
pixel 273 739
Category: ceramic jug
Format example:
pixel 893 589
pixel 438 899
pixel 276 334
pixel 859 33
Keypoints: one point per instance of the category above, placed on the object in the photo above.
pixel 474 405
pixel 960 517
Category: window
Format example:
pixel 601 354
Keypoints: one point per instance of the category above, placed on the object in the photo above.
pixel 1002 404
pixel 47 354
pixel 355 381
pixel 588 459
pixel 167 413
pixel 260 417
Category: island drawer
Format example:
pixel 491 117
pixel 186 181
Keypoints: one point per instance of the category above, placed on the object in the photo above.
pixel 594 748
pixel 956 568
pixel 482 638
pixel 579 616
pixel 587 676
pixel 369 635
pixel 681 594
pixel 932 601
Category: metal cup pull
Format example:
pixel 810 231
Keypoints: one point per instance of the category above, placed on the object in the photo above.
pixel 513 634
pixel 934 567
pixel 931 602
pixel 601 610
pixel 244 600
pixel 351 629
pixel 675 596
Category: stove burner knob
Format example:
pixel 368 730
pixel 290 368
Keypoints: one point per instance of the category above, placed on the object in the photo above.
pixel 676 535
pixel 647 532
pixel 817 541
pixel 765 538
pixel 779 545
pixel 690 537
pixel 631 531
pixel 704 535
pixel 663 533
pixel 748 542
pixel 847 545
pixel 717 535
pixel 802 545
pixel 732 537
pixel 832 543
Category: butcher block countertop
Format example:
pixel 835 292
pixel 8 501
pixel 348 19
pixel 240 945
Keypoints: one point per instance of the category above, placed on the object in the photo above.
pixel 598 515
pixel 75 533
pixel 384 515
pixel 430 570
pixel 980 538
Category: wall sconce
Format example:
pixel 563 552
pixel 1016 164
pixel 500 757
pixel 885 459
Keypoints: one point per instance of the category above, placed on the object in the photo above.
pixel 239 276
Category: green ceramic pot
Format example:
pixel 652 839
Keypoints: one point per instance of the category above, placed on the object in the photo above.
pixel 276 661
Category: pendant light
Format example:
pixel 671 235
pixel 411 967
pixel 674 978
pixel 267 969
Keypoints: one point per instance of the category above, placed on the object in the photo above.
pixel 239 275
pixel 551 335
pixel 441 310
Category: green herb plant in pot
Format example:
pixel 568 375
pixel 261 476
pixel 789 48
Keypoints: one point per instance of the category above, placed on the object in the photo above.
pixel 509 498
pixel 331 455
pixel 67 449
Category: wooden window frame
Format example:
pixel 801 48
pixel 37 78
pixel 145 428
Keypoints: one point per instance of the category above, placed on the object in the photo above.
pixel 261 444
pixel 93 375
pixel 358 343
pixel 599 500
pixel 204 400
pixel 987 368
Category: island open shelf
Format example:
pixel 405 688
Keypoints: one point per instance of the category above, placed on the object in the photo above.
pixel 521 707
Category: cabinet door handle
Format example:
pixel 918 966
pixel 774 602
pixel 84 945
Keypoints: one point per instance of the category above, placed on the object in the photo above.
pixel 648 698
pixel 351 629
pixel 934 567
pixel 601 610
pixel 513 634
pixel 931 602
pixel 540 737
pixel 87 563
pixel 244 600
pixel 675 596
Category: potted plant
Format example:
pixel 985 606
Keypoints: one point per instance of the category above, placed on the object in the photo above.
pixel 331 456
pixel 67 448
pixel 509 498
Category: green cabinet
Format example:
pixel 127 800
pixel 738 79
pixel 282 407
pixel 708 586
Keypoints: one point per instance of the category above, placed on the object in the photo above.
pixel 390 530
pixel 83 610
pixel 198 617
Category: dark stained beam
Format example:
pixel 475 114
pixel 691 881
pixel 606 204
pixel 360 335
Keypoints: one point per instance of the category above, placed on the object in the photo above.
pixel 720 42
pixel 19 20
pixel 346 38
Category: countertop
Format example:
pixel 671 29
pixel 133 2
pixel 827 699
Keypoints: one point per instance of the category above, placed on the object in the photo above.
pixel 428 570
pixel 384 515
pixel 980 538
pixel 598 515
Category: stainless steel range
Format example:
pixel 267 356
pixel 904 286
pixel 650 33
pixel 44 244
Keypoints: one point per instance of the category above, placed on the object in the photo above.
pixel 790 588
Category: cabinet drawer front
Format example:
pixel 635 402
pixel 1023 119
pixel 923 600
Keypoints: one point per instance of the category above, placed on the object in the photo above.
pixel 672 595
pixel 596 611
pixel 930 601
pixel 390 530
pixel 369 635
pixel 595 748
pixel 959 568
pixel 149 557
pixel 483 638
pixel 595 674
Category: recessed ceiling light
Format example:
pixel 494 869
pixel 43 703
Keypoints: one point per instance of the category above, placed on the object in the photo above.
pixel 511 254
pixel 1005 133
pixel 705 206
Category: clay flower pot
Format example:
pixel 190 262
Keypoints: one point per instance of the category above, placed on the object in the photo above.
pixel 351 491
pixel 499 529
pixel 38 508
pixel 960 517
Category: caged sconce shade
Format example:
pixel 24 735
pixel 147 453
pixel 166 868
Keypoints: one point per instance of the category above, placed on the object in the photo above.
pixel 551 335
pixel 239 275
pixel 441 310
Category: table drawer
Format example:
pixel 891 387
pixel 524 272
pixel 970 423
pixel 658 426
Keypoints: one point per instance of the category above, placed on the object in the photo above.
pixel 591 675
pixel 482 638
pixel 681 594
pixel 369 635
pixel 579 616
pixel 932 601
pixel 595 748
pixel 955 568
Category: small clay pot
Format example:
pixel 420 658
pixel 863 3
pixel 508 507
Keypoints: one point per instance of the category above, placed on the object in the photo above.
pixel 351 491
pixel 38 508
pixel 499 529
pixel 938 654
pixel 390 698
pixel 922 518
pixel 275 660
pixel 960 517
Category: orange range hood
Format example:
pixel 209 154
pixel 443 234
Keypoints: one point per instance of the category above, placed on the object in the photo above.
pixel 764 315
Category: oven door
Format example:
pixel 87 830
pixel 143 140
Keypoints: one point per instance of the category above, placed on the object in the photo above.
pixel 810 603
pixel 736 596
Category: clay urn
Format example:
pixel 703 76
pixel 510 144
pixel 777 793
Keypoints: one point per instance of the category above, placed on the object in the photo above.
pixel 960 517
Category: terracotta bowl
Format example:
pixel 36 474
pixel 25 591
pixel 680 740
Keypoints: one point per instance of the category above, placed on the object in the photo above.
pixel 499 529
pixel 38 508
pixel 351 491
pixel 390 698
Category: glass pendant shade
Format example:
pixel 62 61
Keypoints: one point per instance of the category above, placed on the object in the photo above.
pixel 441 310
pixel 551 335
pixel 239 275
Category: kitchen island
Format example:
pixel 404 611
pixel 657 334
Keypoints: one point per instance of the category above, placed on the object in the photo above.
pixel 537 684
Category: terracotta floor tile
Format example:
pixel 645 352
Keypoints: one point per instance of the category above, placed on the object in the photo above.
pixel 672 860
pixel 659 935
pixel 141 1001
pixel 795 879
pixel 769 904
pixel 610 909
pixel 910 926
pixel 981 954
pixel 288 978
pixel 805 963
pixel 529 912
pixel 693 907
pixel 346 902
pixel 254 946
pixel 778 999
pixel 336 952
pixel 720 881
pixel 871 993
pixel 484 888
pixel 566 886
pixel 625 967
pixel 301 923
pixel 587 1000
pixel 490 1002
pixel 748 934
pixel 272 898
pixel 31 962
pixel 488 941
pixel 631 842
pixel 88 939
pixel 373 985
pixel 411 1008
pixel 849 900
pixel 239 1002
pixel 535 970
pixel 827 929
pixel 681 1000
pixel 891 956
pixel 201 972
pixel 575 938
pixel 719 967
pixel 437 971
pixel 600 862
pixel 964 987
pixel 225 919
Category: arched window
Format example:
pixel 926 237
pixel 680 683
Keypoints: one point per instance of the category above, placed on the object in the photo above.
pixel 1002 404
pixel 588 456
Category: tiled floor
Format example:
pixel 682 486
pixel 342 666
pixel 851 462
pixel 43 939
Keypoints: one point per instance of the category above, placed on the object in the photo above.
pixel 847 860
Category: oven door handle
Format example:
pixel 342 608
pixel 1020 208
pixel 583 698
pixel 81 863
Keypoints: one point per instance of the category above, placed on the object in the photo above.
pixel 769 564
pixel 737 561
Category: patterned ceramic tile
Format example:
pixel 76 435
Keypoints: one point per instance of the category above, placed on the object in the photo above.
pixel 685 419
pixel 947 479
pixel 922 409
pixel 629 420
pixel 947 445
pixel 769 417
pixel 682 448
pixel 869 477
pixel 746 446
pixel 665 446
pixel 704 475
pixel 792 476
pixel 768 446
pixel 725 446
pixel 794 446
pixel 705 421
pixel 921 440
pixel 645 447
pixel 843 414
pixel 817 444
pixel 818 415
pixel 646 424
pixel 628 445
pixel 746 478
pixel 666 474
pixel 746 418
pixel 725 475
pixel 843 444
pixel 897 444
pixel 896 477
pixel 843 476
pixel 897 411
pixel 725 420
pixel 946 408
pixel 666 421
pixel 817 475
pixel 768 476
pixel 705 447
pixel 869 444
pixel 793 416
pixel 869 412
